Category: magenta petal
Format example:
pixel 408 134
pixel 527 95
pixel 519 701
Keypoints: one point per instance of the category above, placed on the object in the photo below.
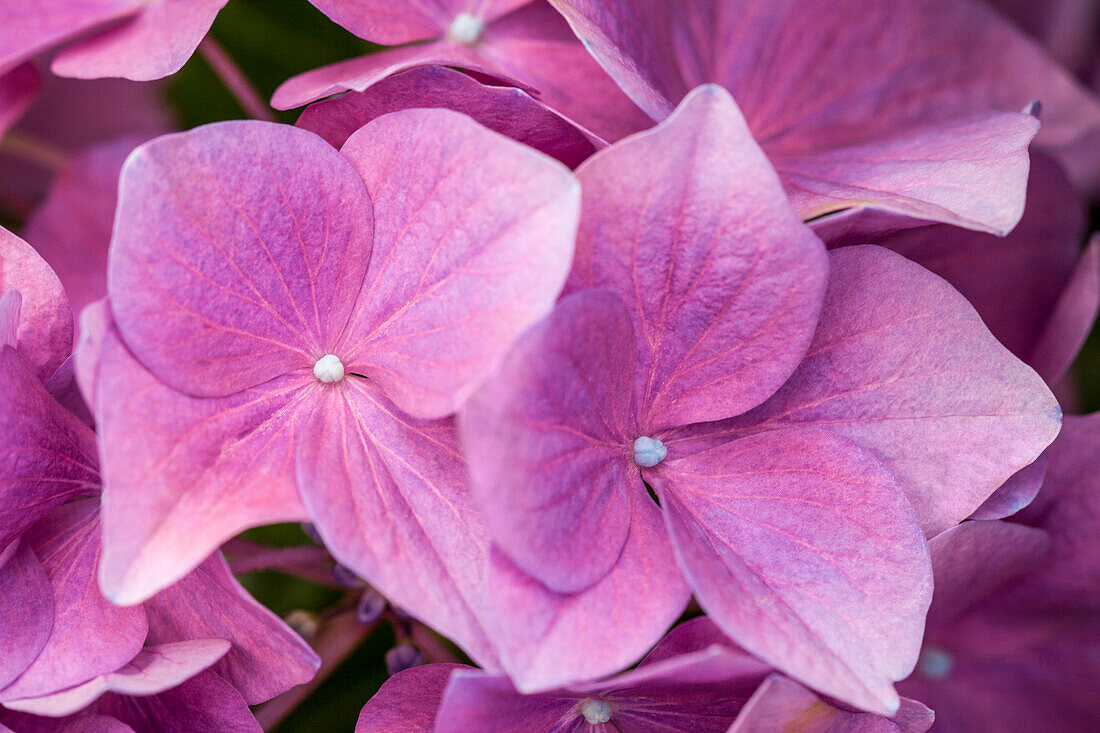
pixel 44 335
pixel 83 723
pixel 266 657
pixel 95 321
pixel 470 249
pixel 475 702
pixel 557 642
pixel 18 88
pixel 692 636
pixel 26 605
pixel 90 635
pixel 388 494
pixel 153 670
pixel 509 111
pixel 155 43
pixel 549 440
pixel 918 380
pixel 688 224
pixel 1072 319
pixel 48 456
pixel 28 28
pixel 390 24
pixel 784 705
pixel 1015 493
pixel 970 172
pixel 805 551
pixel 182 475
pixel 72 227
pixel 240 250
pixel 205 702
pixel 408 701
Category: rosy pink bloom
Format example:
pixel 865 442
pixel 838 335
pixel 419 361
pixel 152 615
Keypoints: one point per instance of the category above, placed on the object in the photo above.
pixel 292 324
pixel 507 39
pixel 150 40
pixel 912 108
pixel 698 295
pixel 509 111
pixel 1014 632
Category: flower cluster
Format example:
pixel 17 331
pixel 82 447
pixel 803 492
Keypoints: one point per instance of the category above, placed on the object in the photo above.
pixel 686 365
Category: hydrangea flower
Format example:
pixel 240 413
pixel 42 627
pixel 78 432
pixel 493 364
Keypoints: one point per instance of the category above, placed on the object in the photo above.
pixel 292 324
pixel 153 40
pixel 910 108
pixel 787 416
pixel 1013 631
pixel 507 39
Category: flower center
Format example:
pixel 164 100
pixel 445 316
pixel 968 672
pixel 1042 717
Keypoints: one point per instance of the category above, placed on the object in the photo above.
pixel 648 452
pixel 329 369
pixel 466 29
pixel 596 711
pixel 934 663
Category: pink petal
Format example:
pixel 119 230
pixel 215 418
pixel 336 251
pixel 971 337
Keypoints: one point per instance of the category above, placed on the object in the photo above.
pixel 27 29
pixel 84 723
pixel 549 441
pixel 72 227
pixel 48 456
pixel 973 559
pixel 154 669
pixel 1032 265
pixel 205 702
pixel 63 387
pixel 44 335
pixel 694 635
pixel 182 475
pixel 388 494
pixel 240 249
pixel 391 24
pixel 408 701
pixel 558 643
pixel 475 702
pixel 155 43
pixel 266 658
pixel 783 704
pixel 805 551
pixel 18 88
pixel 511 112
pixel 969 172
pixel 674 222
pixel 1072 319
pixel 917 379
pixel 1015 493
pixel 470 250
pixel 95 321
pixel 90 635
pixel 26 606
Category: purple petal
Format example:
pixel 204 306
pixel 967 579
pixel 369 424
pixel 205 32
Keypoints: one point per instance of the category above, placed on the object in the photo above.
pixel 72 227
pixel 154 669
pixel 388 494
pixel 26 606
pixel 470 250
pixel 692 636
pixel 557 642
pixel 391 24
pixel 240 249
pixel 266 658
pixel 44 335
pixel 549 442
pixel 783 704
pixel 205 702
pixel 1034 263
pixel 805 551
pixel 511 112
pixel 182 475
pixel 63 387
pixel 47 457
pixel 155 43
pixel 973 559
pixel 475 702
pixel 1072 319
pixel 90 635
pixel 970 172
pixel 83 723
pixel 1015 493
pixel 408 701
pixel 26 30
pixel 18 89
pixel 917 379
pixel 674 223
pixel 95 321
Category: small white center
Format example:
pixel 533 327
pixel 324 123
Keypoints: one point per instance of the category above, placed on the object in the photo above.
pixel 466 29
pixel 935 663
pixel 329 369
pixel 596 711
pixel 648 452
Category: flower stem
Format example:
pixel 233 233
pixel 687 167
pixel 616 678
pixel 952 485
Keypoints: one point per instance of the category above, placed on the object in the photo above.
pixel 31 150
pixel 235 81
